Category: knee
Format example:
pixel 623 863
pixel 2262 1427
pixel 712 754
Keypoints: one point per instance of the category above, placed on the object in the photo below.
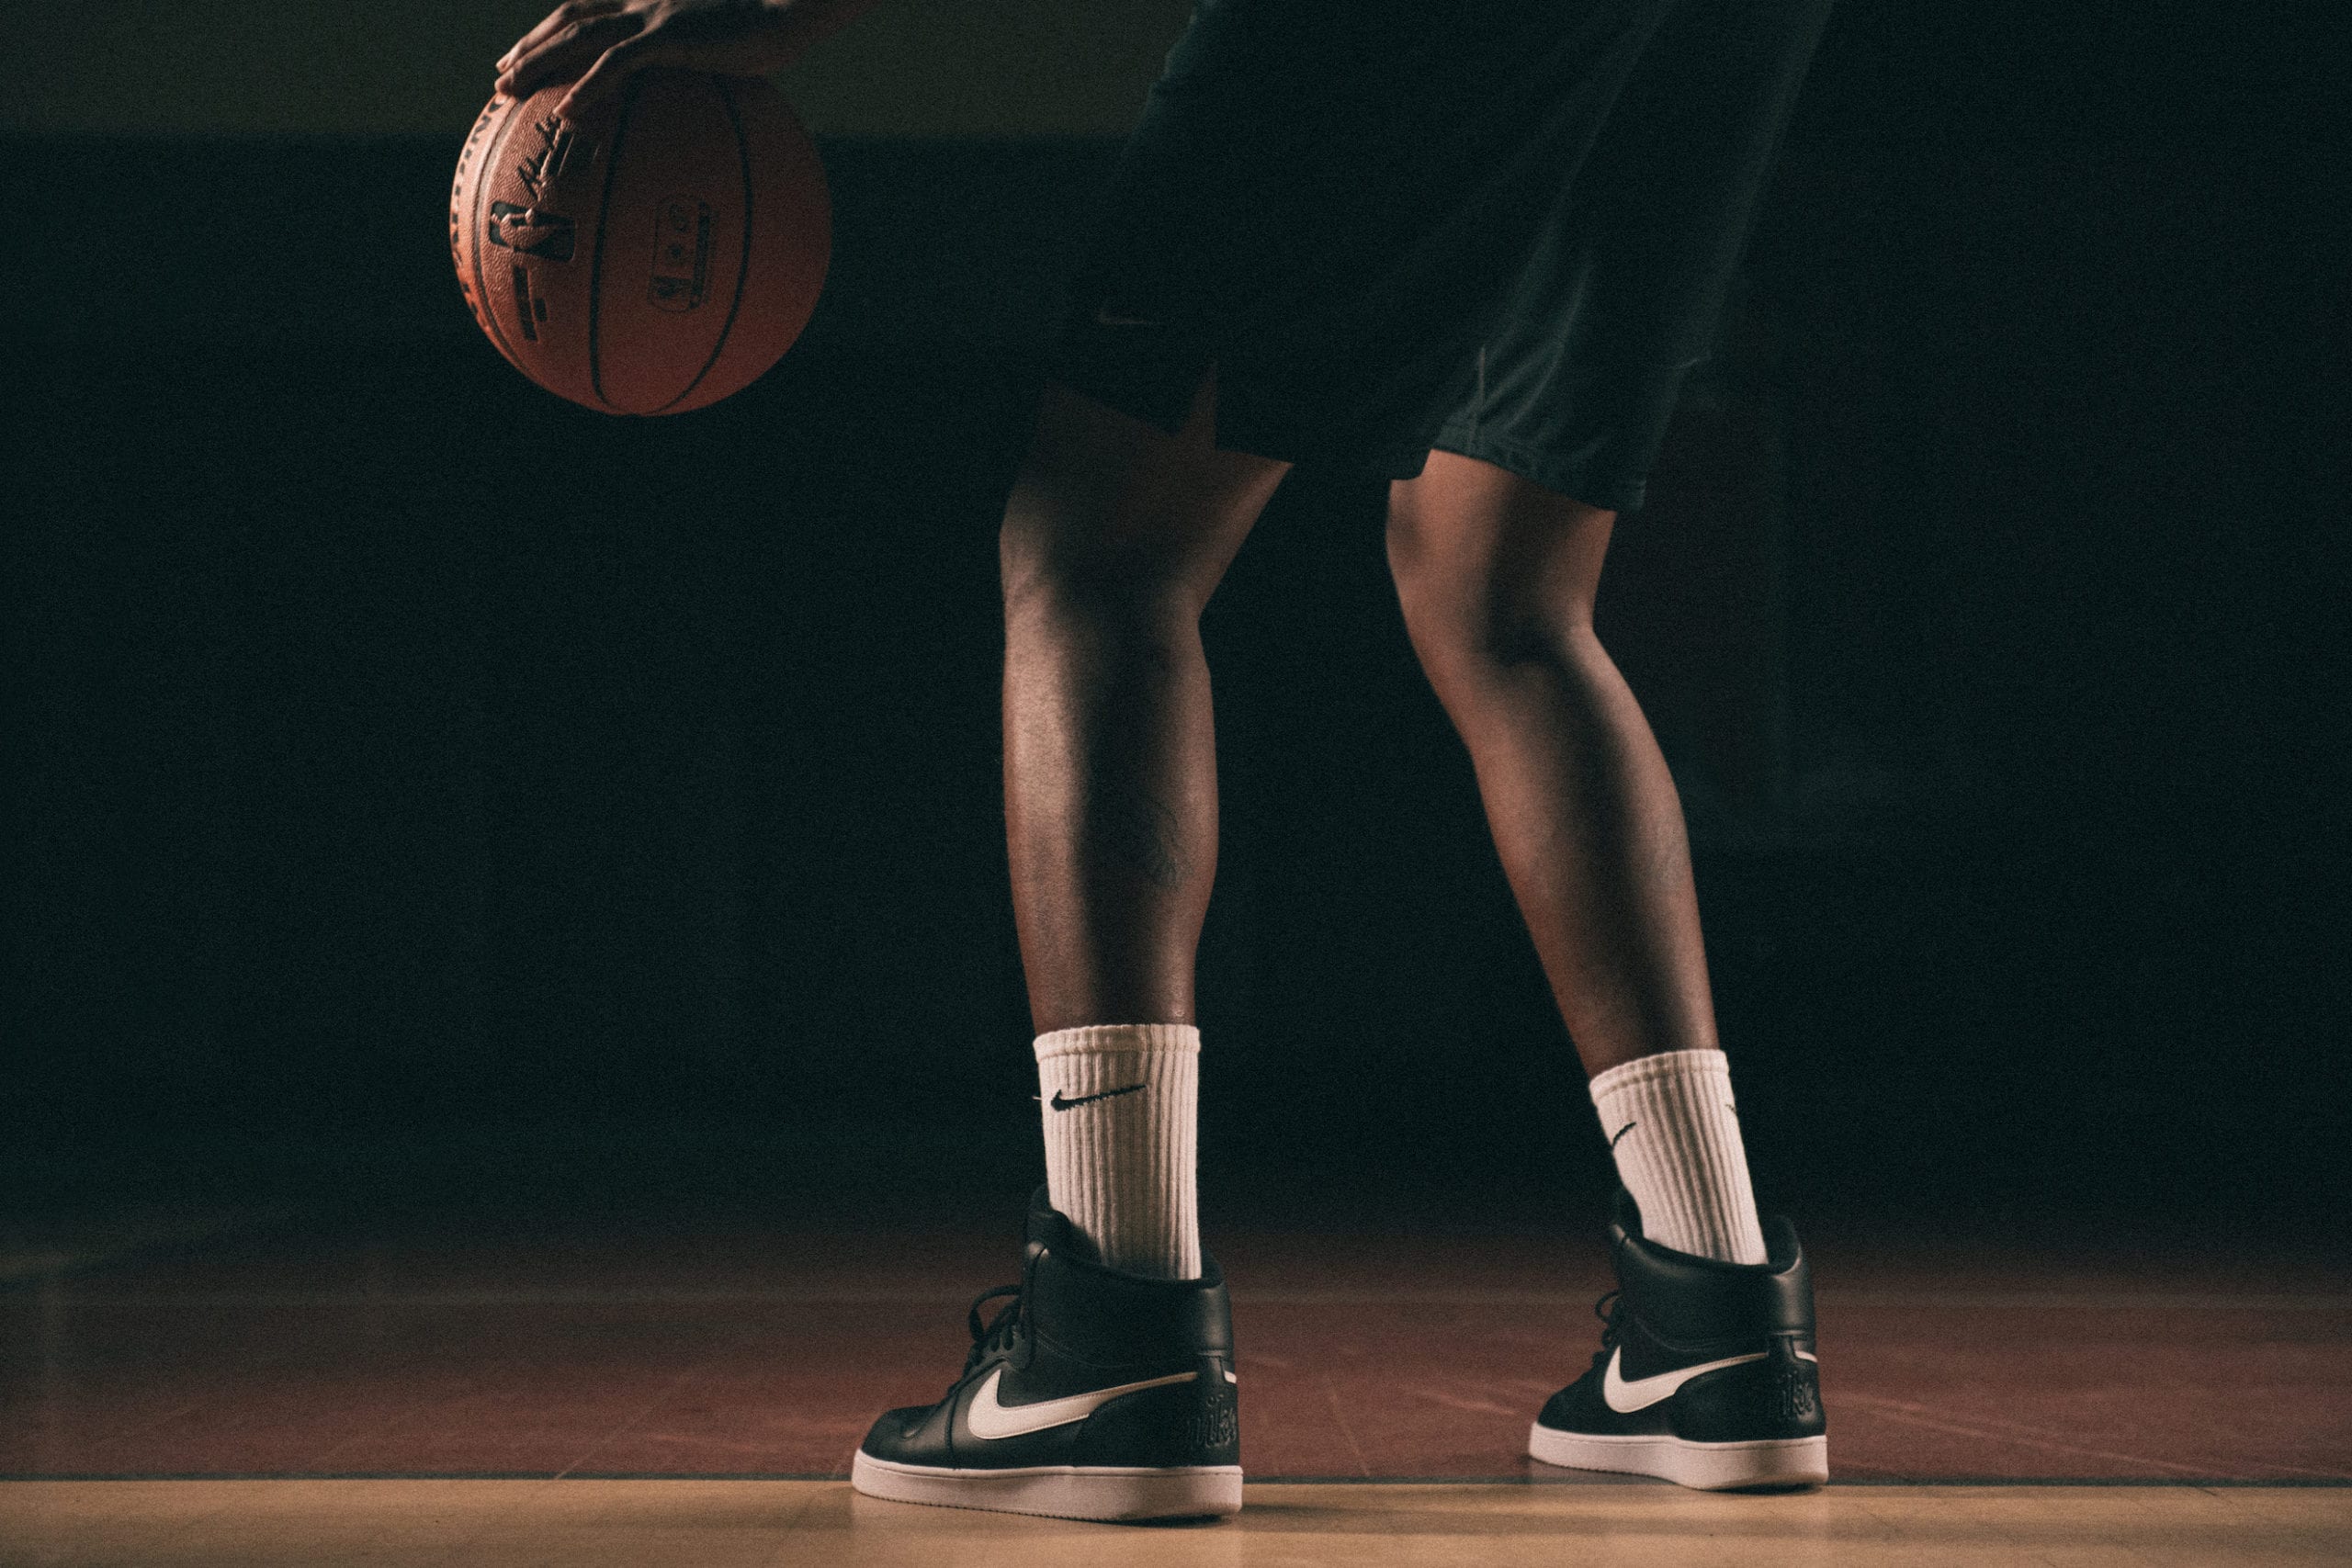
pixel 1467 608
pixel 1492 570
pixel 1113 519
pixel 1054 571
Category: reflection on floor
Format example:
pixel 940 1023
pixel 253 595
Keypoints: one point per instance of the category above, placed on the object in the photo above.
pixel 718 1524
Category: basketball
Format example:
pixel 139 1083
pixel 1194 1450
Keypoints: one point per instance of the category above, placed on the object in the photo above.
pixel 651 258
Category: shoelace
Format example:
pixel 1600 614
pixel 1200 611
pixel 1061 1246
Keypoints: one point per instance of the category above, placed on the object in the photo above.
pixel 1609 1309
pixel 998 1331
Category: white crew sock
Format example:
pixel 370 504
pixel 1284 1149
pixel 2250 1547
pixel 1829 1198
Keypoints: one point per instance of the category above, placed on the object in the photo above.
pixel 1121 1106
pixel 1675 1136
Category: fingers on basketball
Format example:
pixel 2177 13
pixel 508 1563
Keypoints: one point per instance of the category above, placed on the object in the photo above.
pixel 565 45
pixel 613 68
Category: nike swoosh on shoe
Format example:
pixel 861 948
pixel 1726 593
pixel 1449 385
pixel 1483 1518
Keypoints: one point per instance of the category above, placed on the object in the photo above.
pixel 1626 1396
pixel 992 1420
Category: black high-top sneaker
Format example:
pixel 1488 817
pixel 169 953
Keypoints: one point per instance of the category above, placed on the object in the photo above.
pixel 1706 1374
pixel 1093 1396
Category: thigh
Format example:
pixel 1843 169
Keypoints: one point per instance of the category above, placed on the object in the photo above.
pixel 1328 201
pixel 1623 287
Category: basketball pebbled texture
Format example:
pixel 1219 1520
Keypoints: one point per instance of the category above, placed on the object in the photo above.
pixel 652 258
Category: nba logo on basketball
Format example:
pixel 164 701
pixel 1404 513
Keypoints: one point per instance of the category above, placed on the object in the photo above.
pixel 681 253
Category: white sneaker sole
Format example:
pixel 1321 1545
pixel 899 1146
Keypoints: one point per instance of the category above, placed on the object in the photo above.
pixel 1062 1492
pixel 1708 1467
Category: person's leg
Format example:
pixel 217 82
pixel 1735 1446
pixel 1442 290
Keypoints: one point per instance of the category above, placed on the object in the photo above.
pixel 1106 1390
pixel 1706 1374
pixel 1497 576
pixel 1114 536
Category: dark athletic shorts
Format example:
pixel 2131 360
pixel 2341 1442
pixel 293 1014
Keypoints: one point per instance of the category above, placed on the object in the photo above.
pixel 1505 228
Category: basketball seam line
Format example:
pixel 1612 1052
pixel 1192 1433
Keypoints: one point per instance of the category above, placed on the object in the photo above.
pixel 484 177
pixel 743 263
pixel 604 221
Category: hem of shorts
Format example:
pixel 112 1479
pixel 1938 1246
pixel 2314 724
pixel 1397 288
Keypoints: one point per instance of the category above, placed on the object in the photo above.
pixel 1236 430
pixel 1578 481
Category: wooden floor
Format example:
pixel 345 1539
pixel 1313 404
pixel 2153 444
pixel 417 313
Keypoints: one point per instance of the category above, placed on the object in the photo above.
pixel 573 1386
pixel 484 1343
pixel 718 1524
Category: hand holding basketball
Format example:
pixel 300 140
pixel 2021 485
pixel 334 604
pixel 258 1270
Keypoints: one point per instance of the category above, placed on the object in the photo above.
pixel 603 42
pixel 658 259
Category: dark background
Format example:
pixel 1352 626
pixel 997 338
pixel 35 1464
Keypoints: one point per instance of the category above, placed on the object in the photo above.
pixel 404 766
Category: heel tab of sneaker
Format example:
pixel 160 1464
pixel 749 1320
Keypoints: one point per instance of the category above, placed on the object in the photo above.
pixel 1688 1299
pixel 1112 1318
pixel 1782 1251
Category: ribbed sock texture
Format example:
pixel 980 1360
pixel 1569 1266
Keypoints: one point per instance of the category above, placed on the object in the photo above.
pixel 1675 1136
pixel 1120 1153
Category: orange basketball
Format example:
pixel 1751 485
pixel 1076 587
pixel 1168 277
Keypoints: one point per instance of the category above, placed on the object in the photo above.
pixel 651 258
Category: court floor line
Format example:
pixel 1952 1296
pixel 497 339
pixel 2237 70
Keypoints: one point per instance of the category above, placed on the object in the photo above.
pixel 1453 1524
pixel 2016 1432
